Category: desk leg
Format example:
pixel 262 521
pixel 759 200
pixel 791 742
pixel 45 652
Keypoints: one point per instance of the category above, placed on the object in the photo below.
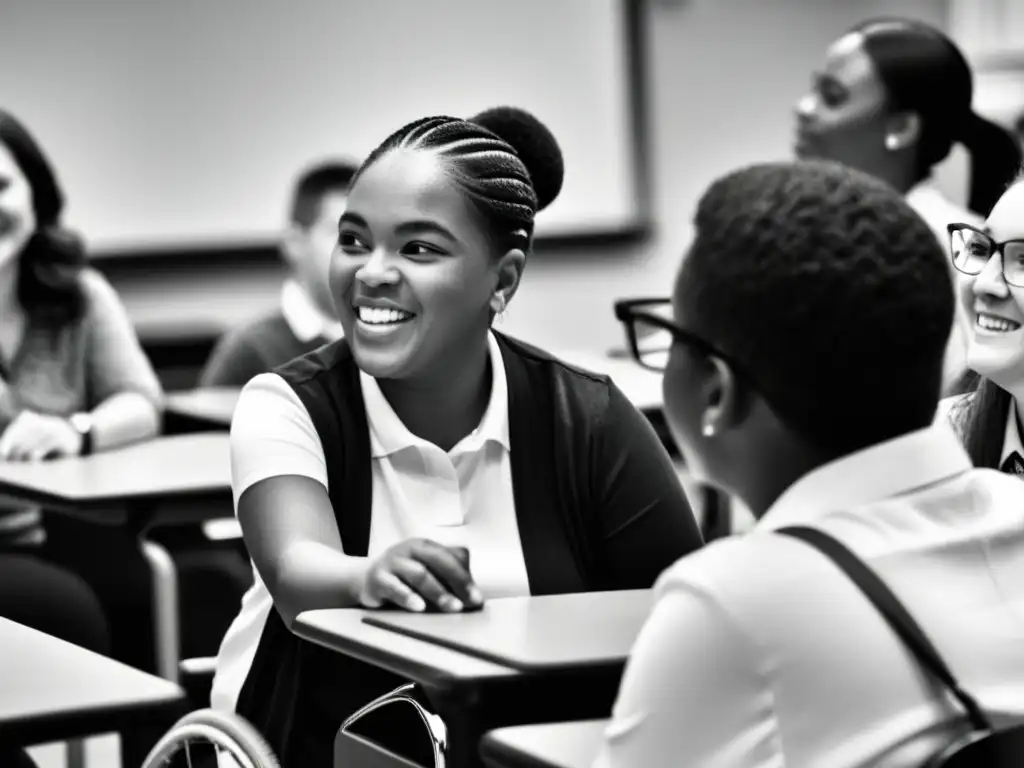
pixel 166 630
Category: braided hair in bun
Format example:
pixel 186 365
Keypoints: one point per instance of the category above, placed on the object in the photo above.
pixel 504 160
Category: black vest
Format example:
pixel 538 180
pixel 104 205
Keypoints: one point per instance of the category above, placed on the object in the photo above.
pixel 297 693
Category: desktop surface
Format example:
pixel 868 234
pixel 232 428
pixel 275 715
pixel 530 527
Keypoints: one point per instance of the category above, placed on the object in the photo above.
pixel 52 689
pixel 533 634
pixel 177 466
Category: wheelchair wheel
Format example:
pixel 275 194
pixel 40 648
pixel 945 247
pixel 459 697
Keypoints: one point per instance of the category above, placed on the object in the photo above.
pixel 210 738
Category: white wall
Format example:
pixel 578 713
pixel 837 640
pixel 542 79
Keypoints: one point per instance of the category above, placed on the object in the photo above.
pixel 723 76
pixel 177 123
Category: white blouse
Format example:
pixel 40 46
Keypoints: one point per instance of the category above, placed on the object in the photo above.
pixel 462 497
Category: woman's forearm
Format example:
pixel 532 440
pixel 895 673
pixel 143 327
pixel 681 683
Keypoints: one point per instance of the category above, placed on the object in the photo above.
pixel 312 576
pixel 127 417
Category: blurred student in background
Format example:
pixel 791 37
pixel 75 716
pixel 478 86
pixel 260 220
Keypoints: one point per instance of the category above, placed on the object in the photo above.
pixel 306 318
pixel 891 99
pixel 810 319
pixel 73 381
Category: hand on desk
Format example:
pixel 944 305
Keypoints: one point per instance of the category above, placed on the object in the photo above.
pixel 35 436
pixel 418 574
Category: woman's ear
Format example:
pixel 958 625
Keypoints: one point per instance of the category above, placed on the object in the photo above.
pixel 509 272
pixel 723 399
pixel 902 130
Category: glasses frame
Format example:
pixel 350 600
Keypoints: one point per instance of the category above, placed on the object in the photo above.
pixel 997 247
pixel 628 311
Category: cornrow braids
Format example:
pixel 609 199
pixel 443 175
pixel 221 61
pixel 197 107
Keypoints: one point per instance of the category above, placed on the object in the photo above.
pixel 500 178
pixel 830 291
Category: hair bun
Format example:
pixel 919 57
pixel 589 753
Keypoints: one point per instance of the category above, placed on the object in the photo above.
pixel 535 145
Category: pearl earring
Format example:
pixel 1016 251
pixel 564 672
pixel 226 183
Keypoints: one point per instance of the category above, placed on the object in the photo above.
pixel 708 429
pixel 892 143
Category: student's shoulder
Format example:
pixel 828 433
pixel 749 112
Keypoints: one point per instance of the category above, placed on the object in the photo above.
pixel 578 379
pixel 749 576
pixel 267 399
pixel 332 361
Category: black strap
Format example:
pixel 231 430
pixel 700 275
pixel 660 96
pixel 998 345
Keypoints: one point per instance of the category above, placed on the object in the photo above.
pixel 894 613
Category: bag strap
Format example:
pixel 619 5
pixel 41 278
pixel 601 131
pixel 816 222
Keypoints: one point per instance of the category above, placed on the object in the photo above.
pixel 893 612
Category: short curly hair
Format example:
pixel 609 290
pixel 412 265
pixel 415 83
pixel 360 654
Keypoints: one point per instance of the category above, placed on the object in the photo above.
pixel 830 291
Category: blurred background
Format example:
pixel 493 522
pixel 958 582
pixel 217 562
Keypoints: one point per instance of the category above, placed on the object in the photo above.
pixel 178 127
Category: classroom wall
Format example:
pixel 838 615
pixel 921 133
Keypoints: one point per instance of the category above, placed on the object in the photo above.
pixel 722 78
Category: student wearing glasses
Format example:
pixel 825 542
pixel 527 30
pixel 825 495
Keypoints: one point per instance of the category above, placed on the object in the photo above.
pixel 892 98
pixel 990 265
pixel 807 285
pixel 363 469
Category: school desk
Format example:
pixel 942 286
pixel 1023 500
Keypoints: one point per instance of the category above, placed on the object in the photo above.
pixel 51 690
pixel 199 409
pixel 519 660
pixel 168 480
pixel 547 745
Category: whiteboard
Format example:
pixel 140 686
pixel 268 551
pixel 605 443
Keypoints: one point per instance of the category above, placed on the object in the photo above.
pixel 182 123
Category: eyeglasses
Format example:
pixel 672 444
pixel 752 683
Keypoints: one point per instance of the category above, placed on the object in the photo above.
pixel 651 334
pixel 972 249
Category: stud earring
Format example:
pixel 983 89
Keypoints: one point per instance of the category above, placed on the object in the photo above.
pixel 708 429
pixel 892 143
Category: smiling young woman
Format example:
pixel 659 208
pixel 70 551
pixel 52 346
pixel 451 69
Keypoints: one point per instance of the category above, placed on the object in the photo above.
pixel 990 265
pixel 365 471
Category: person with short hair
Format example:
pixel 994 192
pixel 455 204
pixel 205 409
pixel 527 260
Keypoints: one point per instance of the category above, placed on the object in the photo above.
pixel 892 98
pixel 306 318
pixel 426 461
pixel 810 318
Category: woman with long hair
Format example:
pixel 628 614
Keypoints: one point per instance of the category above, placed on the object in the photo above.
pixel 73 379
pixel 990 263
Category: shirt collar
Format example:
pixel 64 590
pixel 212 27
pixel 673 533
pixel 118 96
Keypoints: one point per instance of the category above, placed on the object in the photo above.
pixel 1011 437
pixel 389 435
pixel 303 316
pixel 893 468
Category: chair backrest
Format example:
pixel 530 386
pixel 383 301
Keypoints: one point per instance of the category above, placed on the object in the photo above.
pixel 984 747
